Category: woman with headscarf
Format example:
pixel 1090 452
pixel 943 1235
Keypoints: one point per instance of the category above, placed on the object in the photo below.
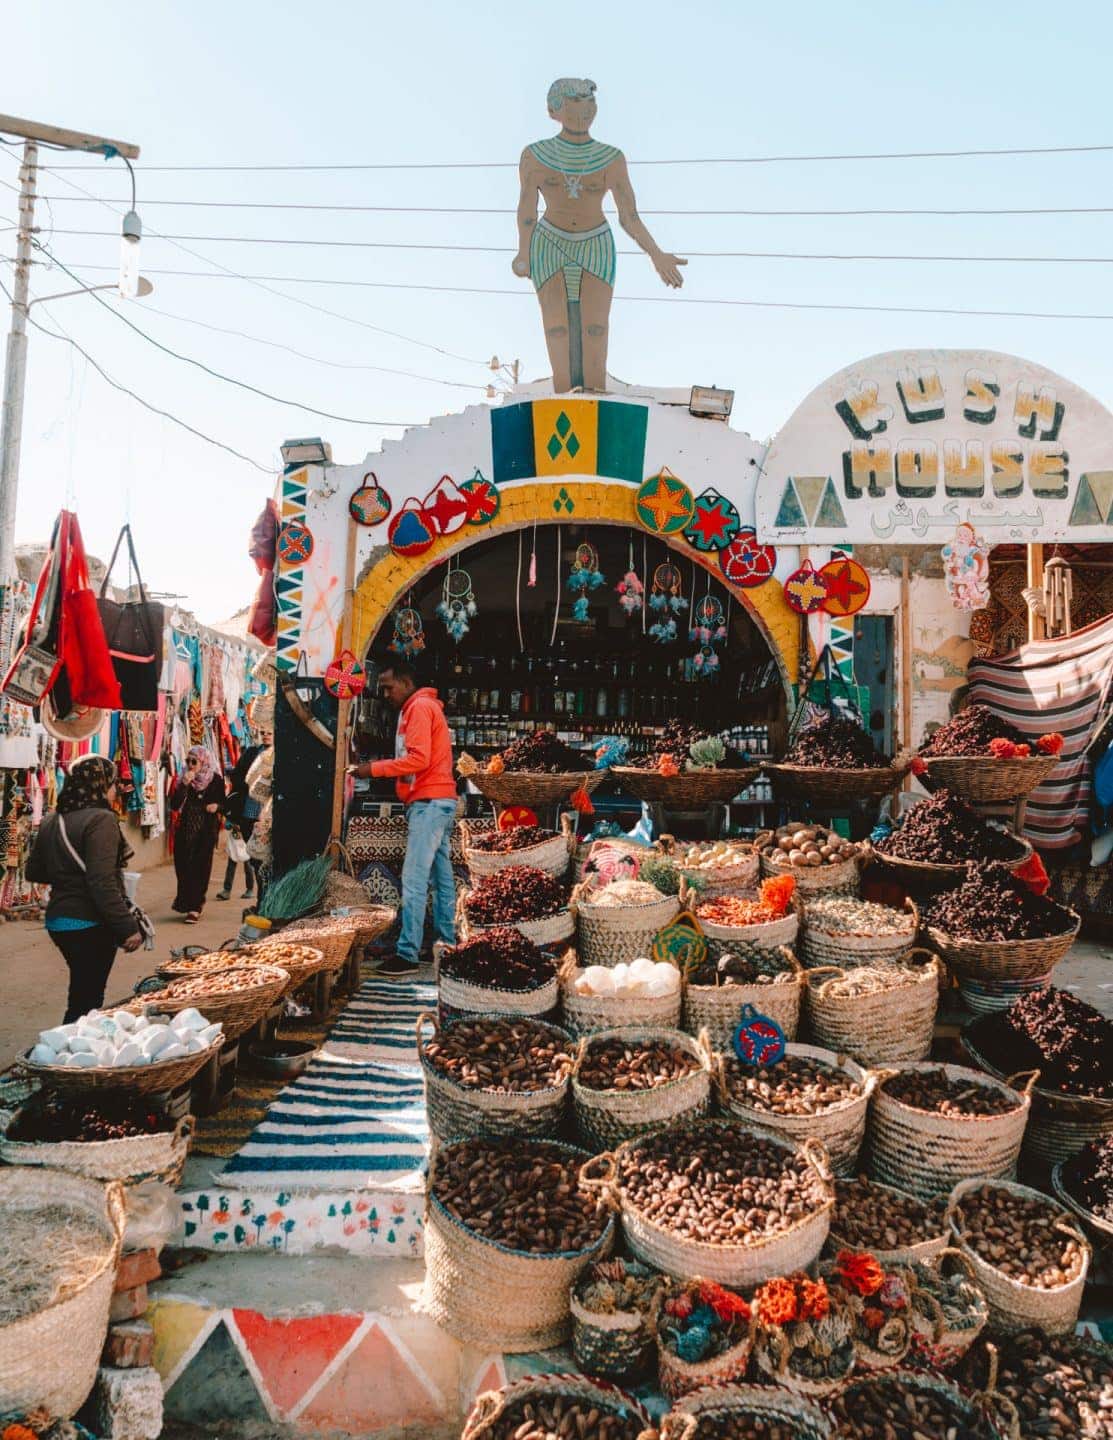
pixel 80 853
pixel 198 799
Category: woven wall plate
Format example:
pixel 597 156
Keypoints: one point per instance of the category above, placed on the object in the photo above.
pixel 483 499
pixel 715 522
pixel 446 506
pixel 411 531
pixel 847 584
pixel 345 677
pixel 746 563
pixel 664 504
pixel 370 504
pixel 805 589
pixel 295 543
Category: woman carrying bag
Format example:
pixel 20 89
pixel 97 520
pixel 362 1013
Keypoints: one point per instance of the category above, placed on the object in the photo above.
pixel 80 853
pixel 199 799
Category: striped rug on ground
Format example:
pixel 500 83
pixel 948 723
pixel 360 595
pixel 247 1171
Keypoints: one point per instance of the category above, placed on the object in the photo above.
pixel 354 1119
pixel 1042 687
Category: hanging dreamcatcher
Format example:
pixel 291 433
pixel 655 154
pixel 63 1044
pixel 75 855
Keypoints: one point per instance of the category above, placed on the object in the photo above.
pixel 709 628
pixel 630 590
pixel 457 605
pixel 409 634
pixel 585 575
pixel 666 601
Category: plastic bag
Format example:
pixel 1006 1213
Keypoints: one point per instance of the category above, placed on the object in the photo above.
pixel 154 1216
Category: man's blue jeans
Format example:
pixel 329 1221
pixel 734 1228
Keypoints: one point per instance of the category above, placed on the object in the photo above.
pixel 429 836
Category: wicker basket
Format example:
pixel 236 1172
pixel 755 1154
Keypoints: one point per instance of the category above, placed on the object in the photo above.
pixel 878 1349
pixel 484 1293
pixel 718 1008
pixel 983 778
pixel 333 938
pixel 986 997
pixel 595 1394
pixel 842 878
pixel 49 1359
pixel 691 790
pixel 738 1265
pixel 1004 959
pixel 821 786
pixel 936 1340
pixel 547 933
pixel 132 1159
pixel 606 1118
pixel 550 855
pixel 161 1076
pixel 584 1014
pixel 930 875
pixel 885 1028
pixel 677 1377
pixel 921 1250
pixel 616 1345
pixel 768 1403
pixel 840 1127
pixel 457 998
pixel 820 945
pixel 236 1010
pixel 774 1346
pixel 457 1112
pixel 607 934
pixel 768 936
pixel 1101 1230
pixel 995 1410
pixel 739 879
pixel 525 787
pixel 927 1153
pixel 300 962
pixel 1013 1306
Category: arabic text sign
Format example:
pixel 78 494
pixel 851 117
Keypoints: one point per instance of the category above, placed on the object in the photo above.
pixel 905 446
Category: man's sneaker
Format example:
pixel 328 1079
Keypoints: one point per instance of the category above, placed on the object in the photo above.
pixel 395 968
pixel 222 895
pixel 247 895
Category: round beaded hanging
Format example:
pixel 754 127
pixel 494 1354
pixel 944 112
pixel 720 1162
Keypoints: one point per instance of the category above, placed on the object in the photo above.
pixel 409 633
pixel 457 605
pixel 584 576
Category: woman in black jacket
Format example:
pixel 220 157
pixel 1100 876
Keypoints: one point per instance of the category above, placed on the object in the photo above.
pixel 80 853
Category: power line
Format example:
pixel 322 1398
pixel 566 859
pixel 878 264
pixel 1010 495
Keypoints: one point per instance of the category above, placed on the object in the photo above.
pixel 699 160
pixel 60 334
pixel 217 374
pixel 694 254
pixel 630 299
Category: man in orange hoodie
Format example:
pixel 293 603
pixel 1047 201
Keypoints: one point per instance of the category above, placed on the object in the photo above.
pixel 422 771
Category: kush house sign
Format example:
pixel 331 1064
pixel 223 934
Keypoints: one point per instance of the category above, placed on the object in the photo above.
pixel 907 445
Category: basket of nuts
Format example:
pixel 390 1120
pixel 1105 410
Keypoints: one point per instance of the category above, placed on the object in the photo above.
pixel 619 921
pixel 591 998
pixel 947 1310
pixel 879 1014
pixel 543 1406
pixel 334 936
pixel 717 991
pixel 486 852
pixel 508 1229
pixel 1061 1385
pixel 840 928
pixel 1028 1258
pixel 235 998
pixel 707 1198
pixel 494 1075
pixel 810 1092
pixel 820 859
pixel 894 1226
pixel 499 972
pixel 908 1405
pixel 613 1333
pixel 717 867
pixel 744 1412
pixel 638 1078
pixel 934 1125
pixel 1082 1183
pixel 523 896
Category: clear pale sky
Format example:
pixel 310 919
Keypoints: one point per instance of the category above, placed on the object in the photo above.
pixel 348 83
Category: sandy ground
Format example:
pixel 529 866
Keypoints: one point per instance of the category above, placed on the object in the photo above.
pixel 33 975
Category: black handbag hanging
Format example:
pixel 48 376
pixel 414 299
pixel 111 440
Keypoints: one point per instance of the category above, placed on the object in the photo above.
pixel 134 630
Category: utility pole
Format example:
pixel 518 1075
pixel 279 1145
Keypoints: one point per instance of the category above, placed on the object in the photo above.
pixel 15 368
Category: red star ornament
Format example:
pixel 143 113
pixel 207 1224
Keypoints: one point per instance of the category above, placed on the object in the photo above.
pixel 446 506
pixel 805 589
pixel 745 563
pixel 483 500
pixel 847 584
pixel 714 524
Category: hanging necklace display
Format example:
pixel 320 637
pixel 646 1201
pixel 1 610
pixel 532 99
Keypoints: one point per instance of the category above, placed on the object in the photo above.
pixel 457 605
pixel 666 601
pixel 585 575
pixel 708 630
pixel 409 635
pixel 630 590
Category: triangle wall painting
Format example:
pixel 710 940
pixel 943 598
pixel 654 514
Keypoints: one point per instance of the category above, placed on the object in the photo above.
pixel 790 514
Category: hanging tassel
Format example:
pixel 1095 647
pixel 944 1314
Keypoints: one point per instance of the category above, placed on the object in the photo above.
pixel 581 802
pixel 580 610
pixel 532 580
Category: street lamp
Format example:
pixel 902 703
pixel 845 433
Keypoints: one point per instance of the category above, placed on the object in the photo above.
pixel 143 288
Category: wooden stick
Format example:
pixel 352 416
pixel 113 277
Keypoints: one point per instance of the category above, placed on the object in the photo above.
pixel 343 714
pixel 906 660
pixel 1036 629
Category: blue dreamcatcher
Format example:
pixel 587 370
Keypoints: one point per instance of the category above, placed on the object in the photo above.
pixel 585 576
pixel 409 637
pixel 667 602
pixel 709 628
pixel 457 607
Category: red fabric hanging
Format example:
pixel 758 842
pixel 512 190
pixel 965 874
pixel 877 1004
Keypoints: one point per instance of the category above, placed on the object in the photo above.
pixel 83 646
pixel 262 618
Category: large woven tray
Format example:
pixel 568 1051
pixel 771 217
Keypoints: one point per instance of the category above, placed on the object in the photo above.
pixel 1059 1103
pixel 688 791
pixel 938 873
pixel 236 1010
pixel 1005 959
pixel 162 1075
pixel 982 778
pixel 833 787
pixel 525 787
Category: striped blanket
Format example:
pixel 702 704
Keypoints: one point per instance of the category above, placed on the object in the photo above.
pixel 356 1118
pixel 1051 685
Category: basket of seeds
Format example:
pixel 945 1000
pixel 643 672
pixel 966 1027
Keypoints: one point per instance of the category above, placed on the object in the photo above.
pixel 821 861
pixel 908 1405
pixel 716 992
pixel 803 1334
pixel 494 1075
pixel 979 755
pixel 1061 1385
pixel 838 929
pixel 896 1227
pixel 704 1336
pixel 947 1309
pixel 536 769
pixel 1029 1259
pixel 934 1125
pixel 834 761
pixel 770 920
pixel 619 921
pixel 613 1303
pixel 522 896
pixel 499 972
pixel 939 836
pixel 638 1078
pixel 810 1092
pixel 744 1412
pixel 879 1014
pixel 541 1407
pixel 487 851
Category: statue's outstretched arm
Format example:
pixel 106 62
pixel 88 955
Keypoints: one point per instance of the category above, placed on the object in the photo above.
pixel 666 265
pixel 527 212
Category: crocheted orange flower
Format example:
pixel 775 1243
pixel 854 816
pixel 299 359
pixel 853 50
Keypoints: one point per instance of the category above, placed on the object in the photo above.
pixel 726 1304
pixel 496 765
pixel 815 1300
pixel 859 1271
pixel 775 1301
pixel 777 893
pixel 1050 744
pixel 667 765
pixel 1002 749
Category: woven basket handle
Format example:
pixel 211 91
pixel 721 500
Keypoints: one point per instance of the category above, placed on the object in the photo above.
pixel 344 857
pixel 604 1185
pixel 719 1078
pixel 833 971
pixel 419 1029
pixel 788 955
pixel 703 1045
pixel 954 1253
pixel 931 1306
pixel 581 1052
pixel 117 1209
pixel 568 829
pixel 991 1396
pixel 567 968
pixel 1032 1077
pixel 1064 1227
pixel 486 1410
pixel 183 1130
pixel 883 1073
pixel 579 891
pixel 815 1153
pixel 677 1427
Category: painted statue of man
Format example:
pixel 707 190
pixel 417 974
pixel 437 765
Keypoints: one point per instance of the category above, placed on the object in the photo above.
pixel 569 252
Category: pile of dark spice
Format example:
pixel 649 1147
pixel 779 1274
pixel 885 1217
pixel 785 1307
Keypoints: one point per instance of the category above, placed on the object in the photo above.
pixel 676 740
pixel 1068 1041
pixel 1088 1178
pixel 970 732
pixel 992 904
pixel 836 743
pixel 52 1118
pixel 501 958
pixel 541 752
pixel 504 842
pixel 516 892
pixel 945 831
